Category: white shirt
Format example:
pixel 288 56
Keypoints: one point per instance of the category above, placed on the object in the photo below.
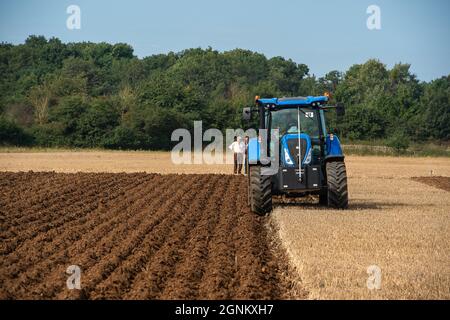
pixel 237 147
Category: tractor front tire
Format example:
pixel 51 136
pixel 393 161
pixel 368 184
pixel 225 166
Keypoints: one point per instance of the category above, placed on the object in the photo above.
pixel 337 193
pixel 260 191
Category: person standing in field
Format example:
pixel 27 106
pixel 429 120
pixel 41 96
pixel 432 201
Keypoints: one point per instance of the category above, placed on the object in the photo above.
pixel 238 148
pixel 246 141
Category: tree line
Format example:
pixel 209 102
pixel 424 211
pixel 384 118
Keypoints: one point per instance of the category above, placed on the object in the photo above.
pixel 87 95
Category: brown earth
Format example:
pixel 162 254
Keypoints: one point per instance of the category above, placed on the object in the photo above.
pixel 438 182
pixel 135 236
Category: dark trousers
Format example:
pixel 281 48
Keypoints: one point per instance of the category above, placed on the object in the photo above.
pixel 238 157
pixel 246 163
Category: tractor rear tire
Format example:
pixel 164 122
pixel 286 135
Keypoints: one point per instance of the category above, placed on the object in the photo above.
pixel 260 191
pixel 337 194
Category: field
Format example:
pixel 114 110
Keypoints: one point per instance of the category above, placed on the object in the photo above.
pixel 134 236
pixel 394 222
pixel 162 234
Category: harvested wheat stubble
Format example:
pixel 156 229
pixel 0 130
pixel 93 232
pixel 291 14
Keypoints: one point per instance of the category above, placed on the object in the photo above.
pixel 135 236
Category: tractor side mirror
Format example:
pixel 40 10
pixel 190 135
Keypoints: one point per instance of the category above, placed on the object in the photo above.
pixel 340 110
pixel 247 113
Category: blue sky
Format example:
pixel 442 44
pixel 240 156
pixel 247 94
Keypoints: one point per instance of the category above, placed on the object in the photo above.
pixel 324 34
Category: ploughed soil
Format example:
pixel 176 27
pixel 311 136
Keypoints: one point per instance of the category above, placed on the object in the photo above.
pixel 135 236
pixel 438 182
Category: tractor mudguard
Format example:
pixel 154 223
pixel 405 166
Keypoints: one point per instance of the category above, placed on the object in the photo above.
pixel 253 151
pixel 333 149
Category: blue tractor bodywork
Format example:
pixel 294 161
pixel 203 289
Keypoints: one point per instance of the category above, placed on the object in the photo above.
pixel 300 101
pixel 320 153
pixel 253 150
pixel 287 158
pixel 332 148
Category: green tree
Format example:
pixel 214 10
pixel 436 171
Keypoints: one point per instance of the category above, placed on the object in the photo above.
pixel 12 134
pixel 39 98
pixel 99 94
pixel 435 104
pixel 97 123
pixel 399 142
pixel 361 122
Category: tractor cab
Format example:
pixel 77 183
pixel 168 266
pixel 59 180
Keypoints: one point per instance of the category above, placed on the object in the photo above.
pixel 305 152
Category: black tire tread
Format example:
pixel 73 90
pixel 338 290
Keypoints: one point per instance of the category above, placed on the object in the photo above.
pixel 260 191
pixel 337 185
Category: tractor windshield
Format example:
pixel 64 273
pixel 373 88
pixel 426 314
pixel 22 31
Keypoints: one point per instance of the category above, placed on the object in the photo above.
pixel 287 120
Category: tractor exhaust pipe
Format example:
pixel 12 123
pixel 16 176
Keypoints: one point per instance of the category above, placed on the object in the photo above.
pixel 299 145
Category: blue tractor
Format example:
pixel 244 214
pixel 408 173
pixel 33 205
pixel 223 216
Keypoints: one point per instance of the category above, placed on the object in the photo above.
pixel 309 160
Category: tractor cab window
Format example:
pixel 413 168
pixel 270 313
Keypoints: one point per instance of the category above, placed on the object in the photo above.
pixel 287 121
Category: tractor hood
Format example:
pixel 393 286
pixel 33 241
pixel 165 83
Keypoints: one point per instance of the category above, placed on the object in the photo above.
pixel 290 149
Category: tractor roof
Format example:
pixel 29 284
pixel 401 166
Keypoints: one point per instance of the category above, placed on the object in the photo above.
pixel 294 101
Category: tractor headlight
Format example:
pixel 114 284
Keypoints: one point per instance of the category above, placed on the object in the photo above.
pixel 308 157
pixel 287 157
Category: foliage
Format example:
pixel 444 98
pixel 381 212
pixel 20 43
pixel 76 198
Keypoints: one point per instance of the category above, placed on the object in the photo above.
pixel 101 95
pixel 399 142
pixel 12 134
